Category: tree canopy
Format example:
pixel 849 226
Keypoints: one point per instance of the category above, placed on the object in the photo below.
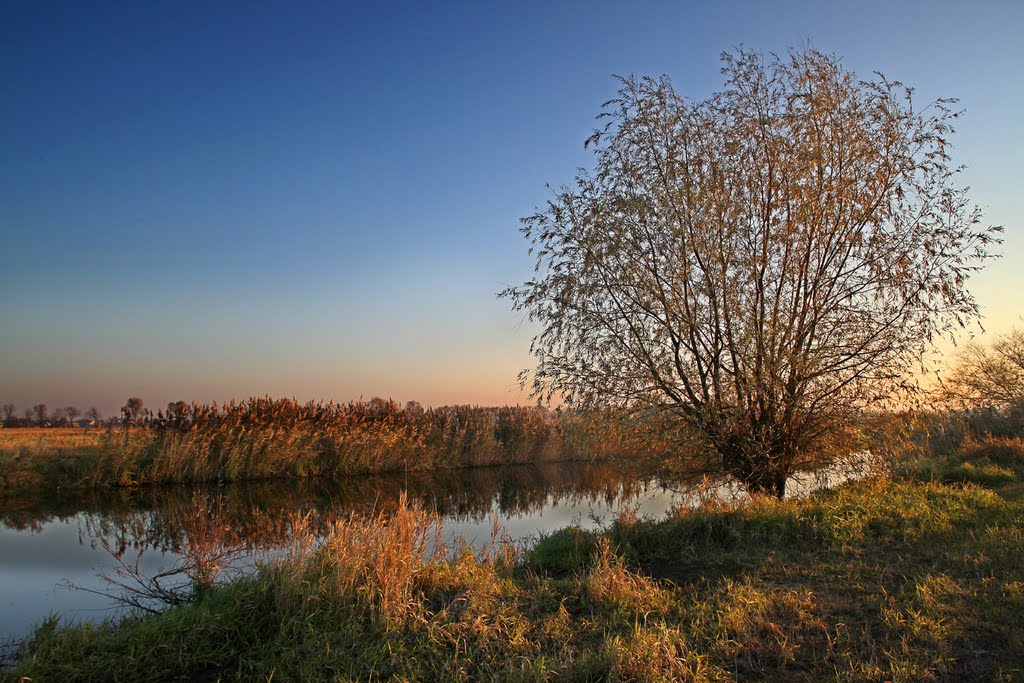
pixel 989 376
pixel 760 264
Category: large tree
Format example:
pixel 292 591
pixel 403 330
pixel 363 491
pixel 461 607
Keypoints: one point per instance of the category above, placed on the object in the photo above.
pixel 760 264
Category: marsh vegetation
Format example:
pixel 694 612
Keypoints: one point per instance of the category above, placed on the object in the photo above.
pixel 914 575
pixel 264 438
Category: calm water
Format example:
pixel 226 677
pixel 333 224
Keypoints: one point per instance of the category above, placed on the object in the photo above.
pixel 54 552
pixel 47 548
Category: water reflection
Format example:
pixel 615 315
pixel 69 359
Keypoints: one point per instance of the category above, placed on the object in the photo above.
pixel 46 542
pixel 256 513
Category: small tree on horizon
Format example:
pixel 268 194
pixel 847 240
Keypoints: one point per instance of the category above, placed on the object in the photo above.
pixel 72 413
pixel 132 409
pixel 760 265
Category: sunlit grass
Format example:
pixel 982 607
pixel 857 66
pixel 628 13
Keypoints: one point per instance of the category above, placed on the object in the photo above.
pixel 43 438
pixel 32 458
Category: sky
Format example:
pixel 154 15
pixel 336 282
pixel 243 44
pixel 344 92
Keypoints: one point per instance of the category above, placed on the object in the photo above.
pixel 207 201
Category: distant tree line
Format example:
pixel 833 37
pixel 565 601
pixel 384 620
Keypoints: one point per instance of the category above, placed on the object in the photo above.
pixel 40 415
pixel 133 412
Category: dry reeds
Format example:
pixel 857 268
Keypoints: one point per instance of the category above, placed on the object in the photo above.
pixel 264 438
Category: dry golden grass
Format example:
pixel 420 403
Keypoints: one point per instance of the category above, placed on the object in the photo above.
pixel 48 437
pixel 45 457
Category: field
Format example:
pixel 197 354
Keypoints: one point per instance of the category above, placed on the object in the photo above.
pixel 913 576
pixel 44 438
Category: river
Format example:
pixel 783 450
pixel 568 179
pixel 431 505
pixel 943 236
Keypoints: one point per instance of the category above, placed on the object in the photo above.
pixel 58 554
pixel 65 555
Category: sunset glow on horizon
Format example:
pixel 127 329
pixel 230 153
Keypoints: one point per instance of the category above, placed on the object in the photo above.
pixel 209 202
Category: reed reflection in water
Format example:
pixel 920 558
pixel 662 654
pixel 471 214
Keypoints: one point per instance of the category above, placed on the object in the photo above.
pixel 48 542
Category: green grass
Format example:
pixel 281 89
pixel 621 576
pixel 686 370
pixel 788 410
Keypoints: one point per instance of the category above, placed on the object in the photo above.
pixel 566 550
pixel 912 578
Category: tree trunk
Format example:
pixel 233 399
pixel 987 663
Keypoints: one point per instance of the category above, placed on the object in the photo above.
pixel 759 473
pixel 780 485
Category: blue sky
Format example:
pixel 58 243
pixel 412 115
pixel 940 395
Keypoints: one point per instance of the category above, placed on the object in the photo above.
pixel 205 201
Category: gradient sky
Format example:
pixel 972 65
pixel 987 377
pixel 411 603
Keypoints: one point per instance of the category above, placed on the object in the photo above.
pixel 211 200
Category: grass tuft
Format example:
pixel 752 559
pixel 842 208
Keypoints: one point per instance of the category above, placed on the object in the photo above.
pixel 566 550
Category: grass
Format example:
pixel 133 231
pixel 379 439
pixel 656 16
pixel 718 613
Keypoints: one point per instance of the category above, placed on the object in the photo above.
pixel 273 439
pixel 43 438
pixel 36 458
pixel 914 577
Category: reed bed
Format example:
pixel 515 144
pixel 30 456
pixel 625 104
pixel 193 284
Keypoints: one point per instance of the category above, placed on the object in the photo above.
pixel 264 438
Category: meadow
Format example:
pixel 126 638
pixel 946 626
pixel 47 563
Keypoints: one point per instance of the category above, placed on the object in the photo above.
pixel 910 575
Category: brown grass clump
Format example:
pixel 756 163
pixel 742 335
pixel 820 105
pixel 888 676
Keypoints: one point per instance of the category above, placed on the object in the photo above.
pixel 658 654
pixel 1008 453
pixel 610 583
pixel 764 630
pixel 376 562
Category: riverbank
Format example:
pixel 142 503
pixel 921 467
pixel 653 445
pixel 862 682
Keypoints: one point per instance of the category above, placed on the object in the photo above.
pixel 280 439
pixel 915 576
